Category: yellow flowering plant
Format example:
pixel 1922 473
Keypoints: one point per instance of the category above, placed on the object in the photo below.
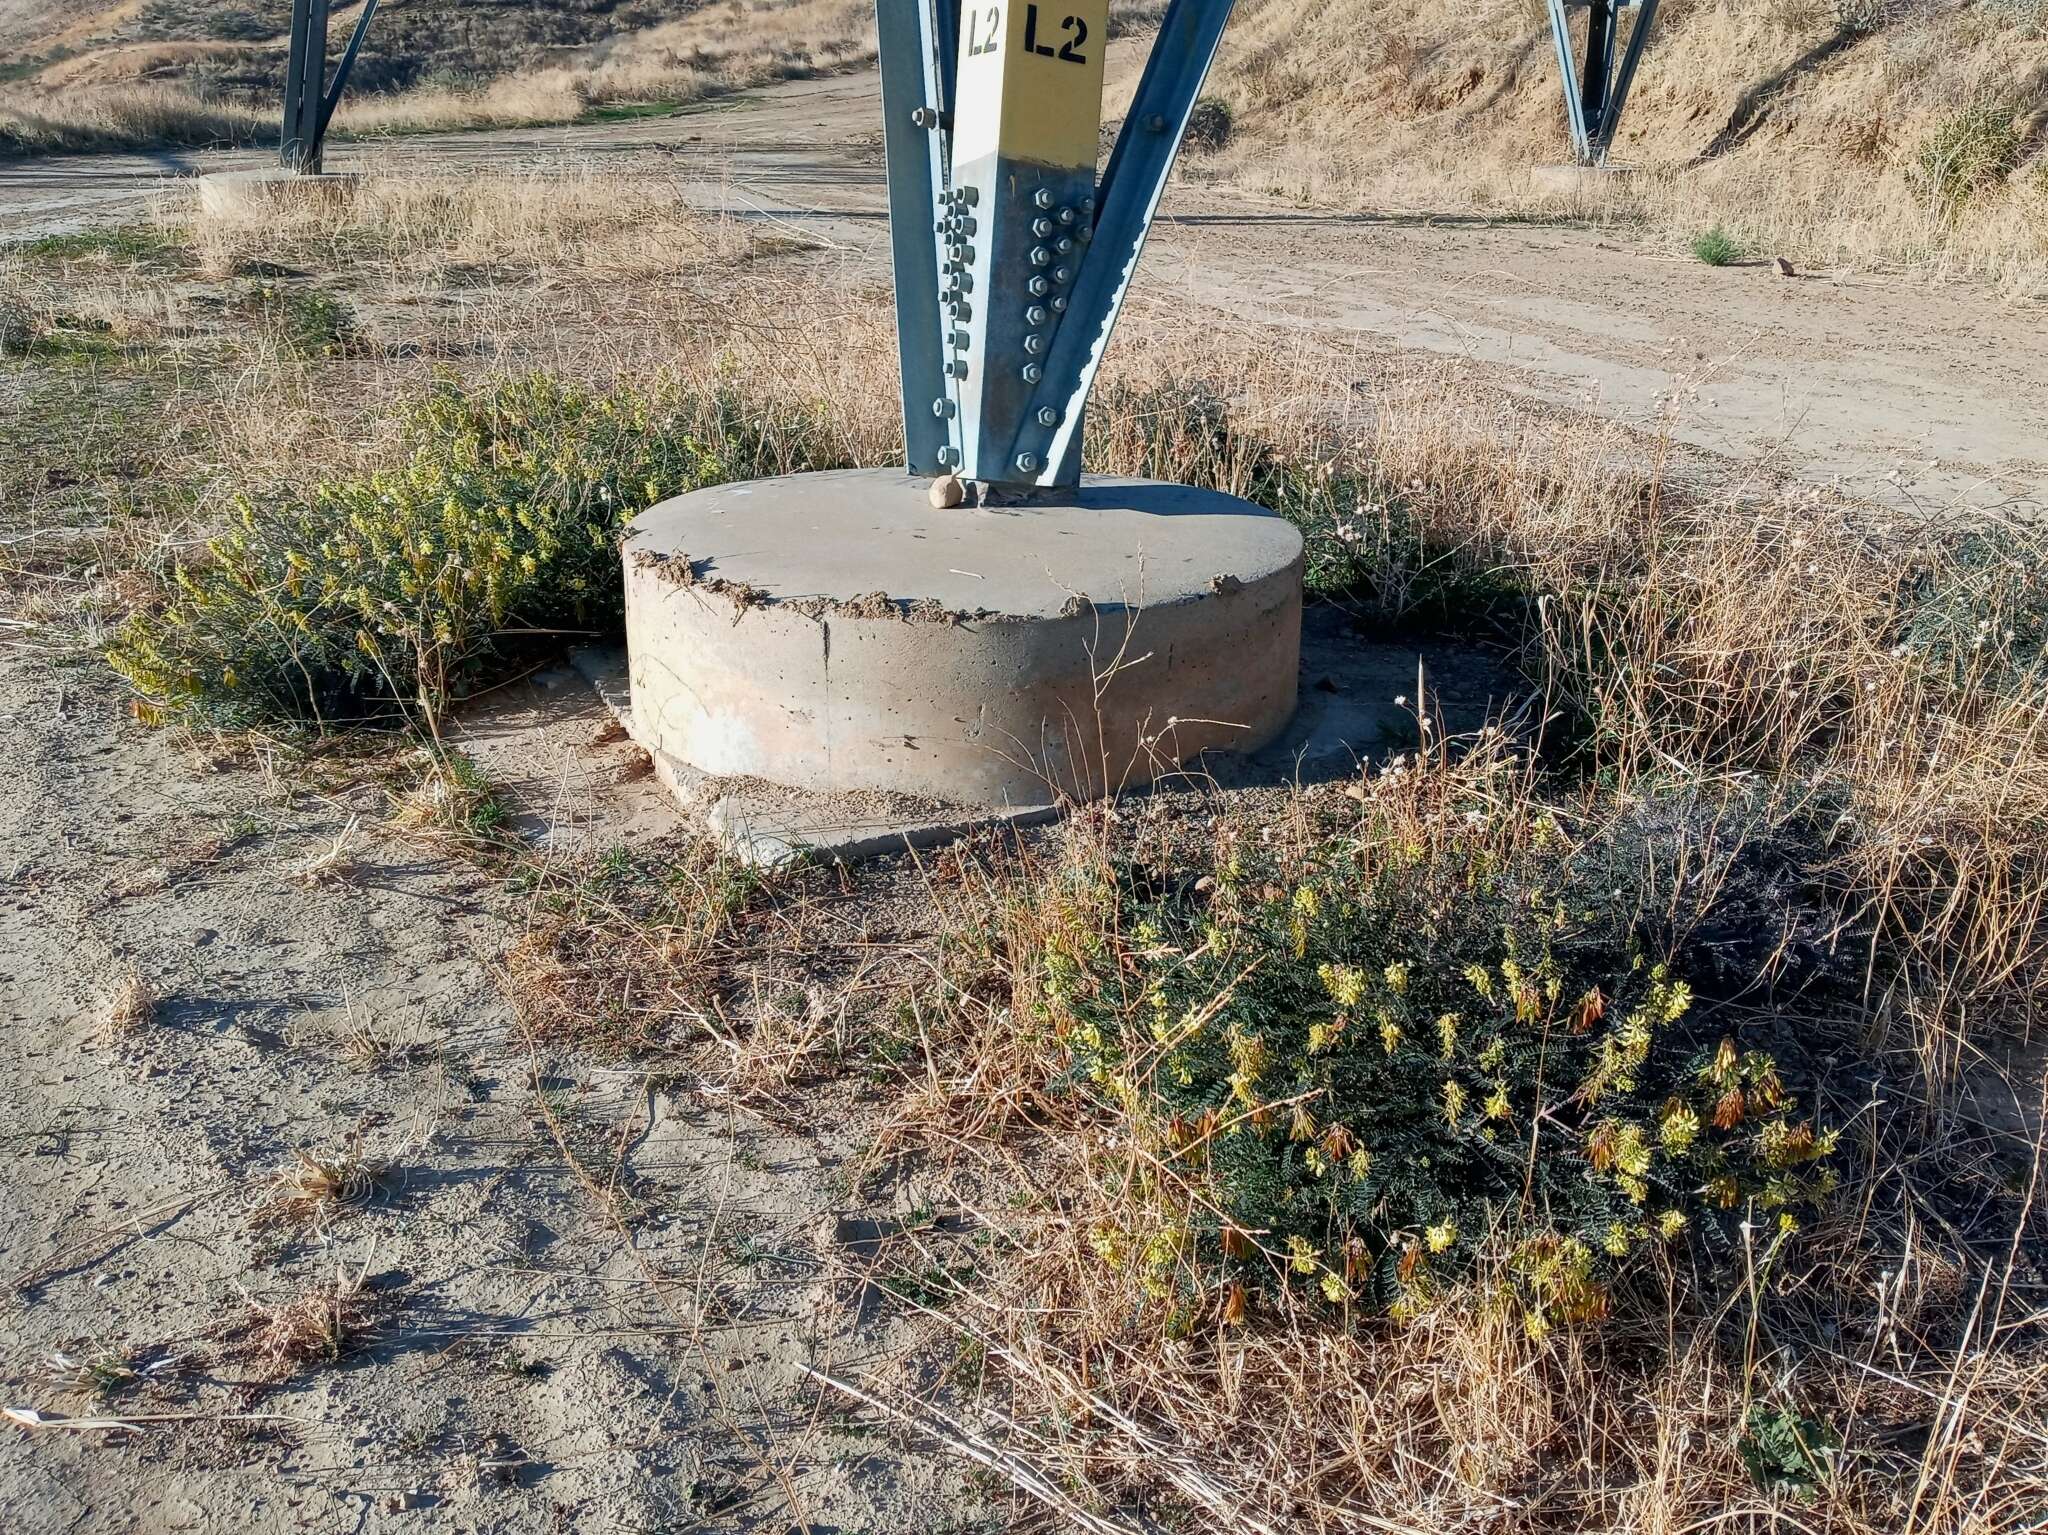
pixel 1405 1059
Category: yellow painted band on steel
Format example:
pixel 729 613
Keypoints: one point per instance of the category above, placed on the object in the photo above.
pixel 1030 82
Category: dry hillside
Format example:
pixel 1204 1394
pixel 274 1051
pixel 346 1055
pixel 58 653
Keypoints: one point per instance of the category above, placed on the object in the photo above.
pixel 1847 129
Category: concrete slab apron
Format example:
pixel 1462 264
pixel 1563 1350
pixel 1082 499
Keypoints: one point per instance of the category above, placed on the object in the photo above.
pixel 836 634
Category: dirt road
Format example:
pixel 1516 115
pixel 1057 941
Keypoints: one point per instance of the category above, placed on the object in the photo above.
pixel 1898 390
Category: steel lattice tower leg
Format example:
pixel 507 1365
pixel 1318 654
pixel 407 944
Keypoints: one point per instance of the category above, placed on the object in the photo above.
pixel 993 118
pixel 309 98
pixel 1596 90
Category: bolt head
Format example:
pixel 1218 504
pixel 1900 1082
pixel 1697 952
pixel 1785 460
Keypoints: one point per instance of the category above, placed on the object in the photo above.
pixel 1087 205
pixel 1156 123
pixel 970 195
pixel 957 367
pixel 1028 462
pixel 1066 215
pixel 1063 275
pixel 1059 303
pixel 939 410
pixel 1084 234
pixel 1065 246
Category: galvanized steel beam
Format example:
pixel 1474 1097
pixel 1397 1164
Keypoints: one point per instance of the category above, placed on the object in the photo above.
pixel 305 71
pixel 309 99
pixel 1048 447
pixel 1639 35
pixel 1025 140
pixel 993 123
pixel 917 41
pixel 1596 90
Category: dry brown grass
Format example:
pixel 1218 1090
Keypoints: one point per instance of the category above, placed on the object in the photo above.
pixel 130 1009
pixel 316 1326
pixel 713 50
pixel 133 115
pixel 310 1191
pixel 581 223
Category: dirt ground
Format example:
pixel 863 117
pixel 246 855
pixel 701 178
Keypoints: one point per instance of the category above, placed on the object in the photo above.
pixel 521 1361
pixel 1891 389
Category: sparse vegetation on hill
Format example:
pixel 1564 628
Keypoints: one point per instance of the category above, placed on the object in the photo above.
pixel 1905 133
pixel 166 72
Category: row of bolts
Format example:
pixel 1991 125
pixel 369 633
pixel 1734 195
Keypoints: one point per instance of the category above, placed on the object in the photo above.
pixel 959 225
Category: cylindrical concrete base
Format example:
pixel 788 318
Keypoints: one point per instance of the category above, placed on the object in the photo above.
pixel 228 193
pixel 836 632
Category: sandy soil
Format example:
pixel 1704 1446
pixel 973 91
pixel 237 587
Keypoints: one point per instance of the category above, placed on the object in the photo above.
pixel 523 1361
pixel 1893 389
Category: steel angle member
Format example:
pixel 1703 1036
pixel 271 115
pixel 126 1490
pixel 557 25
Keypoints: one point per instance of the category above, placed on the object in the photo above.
pixel 1026 126
pixel 1049 450
pixel 917 57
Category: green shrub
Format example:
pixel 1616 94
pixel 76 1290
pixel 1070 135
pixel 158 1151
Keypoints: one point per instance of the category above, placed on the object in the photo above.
pixel 381 596
pixel 133 244
pixel 1785 1451
pixel 1209 125
pixel 1434 1035
pixel 1970 152
pixel 1716 247
pixel 1978 616
pixel 304 322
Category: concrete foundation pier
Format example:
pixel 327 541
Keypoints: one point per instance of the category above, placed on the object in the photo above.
pixel 838 633
pixel 228 193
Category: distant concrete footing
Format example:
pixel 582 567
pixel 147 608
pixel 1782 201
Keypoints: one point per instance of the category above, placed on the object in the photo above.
pixel 837 633
pixel 1577 180
pixel 227 193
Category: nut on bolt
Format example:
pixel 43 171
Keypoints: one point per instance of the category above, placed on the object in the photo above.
pixel 1033 372
pixel 1028 462
pixel 1048 416
pixel 1041 198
